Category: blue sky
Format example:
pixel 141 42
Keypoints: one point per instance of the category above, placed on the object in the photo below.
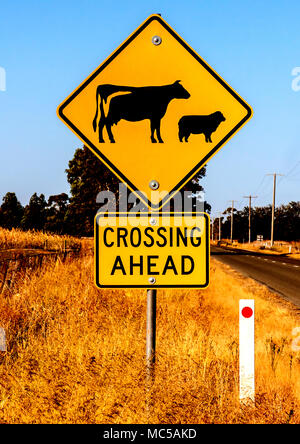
pixel 48 47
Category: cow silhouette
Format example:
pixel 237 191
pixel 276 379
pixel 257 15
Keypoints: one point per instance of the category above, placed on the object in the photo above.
pixel 199 125
pixel 137 103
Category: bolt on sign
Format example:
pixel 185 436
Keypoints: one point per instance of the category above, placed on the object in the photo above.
pixel 152 250
pixel 154 112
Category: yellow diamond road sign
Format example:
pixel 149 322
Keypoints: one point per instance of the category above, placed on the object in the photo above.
pixel 154 112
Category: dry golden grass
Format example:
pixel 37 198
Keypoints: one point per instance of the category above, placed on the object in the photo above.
pixel 264 247
pixel 76 354
pixel 17 238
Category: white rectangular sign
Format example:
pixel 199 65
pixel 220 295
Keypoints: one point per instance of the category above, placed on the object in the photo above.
pixel 247 371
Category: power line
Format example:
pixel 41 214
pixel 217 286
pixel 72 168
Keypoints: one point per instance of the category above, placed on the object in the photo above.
pixel 266 193
pixel 260 184
pixel 273 205
pixel 293 179
pixel 291 170
pixel 262 194
pixel 286 176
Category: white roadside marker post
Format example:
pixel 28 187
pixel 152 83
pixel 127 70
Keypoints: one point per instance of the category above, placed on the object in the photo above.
pixel 246 347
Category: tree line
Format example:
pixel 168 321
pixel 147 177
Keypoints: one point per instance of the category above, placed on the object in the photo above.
pixel 74 214
pixel 286 223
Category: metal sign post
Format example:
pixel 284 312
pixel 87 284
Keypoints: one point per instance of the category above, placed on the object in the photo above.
pixel 151 332
pixel 150 347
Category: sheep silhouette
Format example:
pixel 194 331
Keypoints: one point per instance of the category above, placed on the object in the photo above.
pixel 199 125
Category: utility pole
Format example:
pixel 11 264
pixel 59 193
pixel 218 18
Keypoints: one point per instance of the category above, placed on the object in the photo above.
pixel 212 228
pixel 273 205
pixel 231 220
pixel 249 223
pixel 220 225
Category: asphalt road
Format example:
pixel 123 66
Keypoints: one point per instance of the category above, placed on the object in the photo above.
pixel 279 273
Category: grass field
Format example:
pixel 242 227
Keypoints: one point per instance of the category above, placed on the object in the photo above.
pixel 290 249
pixel 16 238
pixel 76 354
